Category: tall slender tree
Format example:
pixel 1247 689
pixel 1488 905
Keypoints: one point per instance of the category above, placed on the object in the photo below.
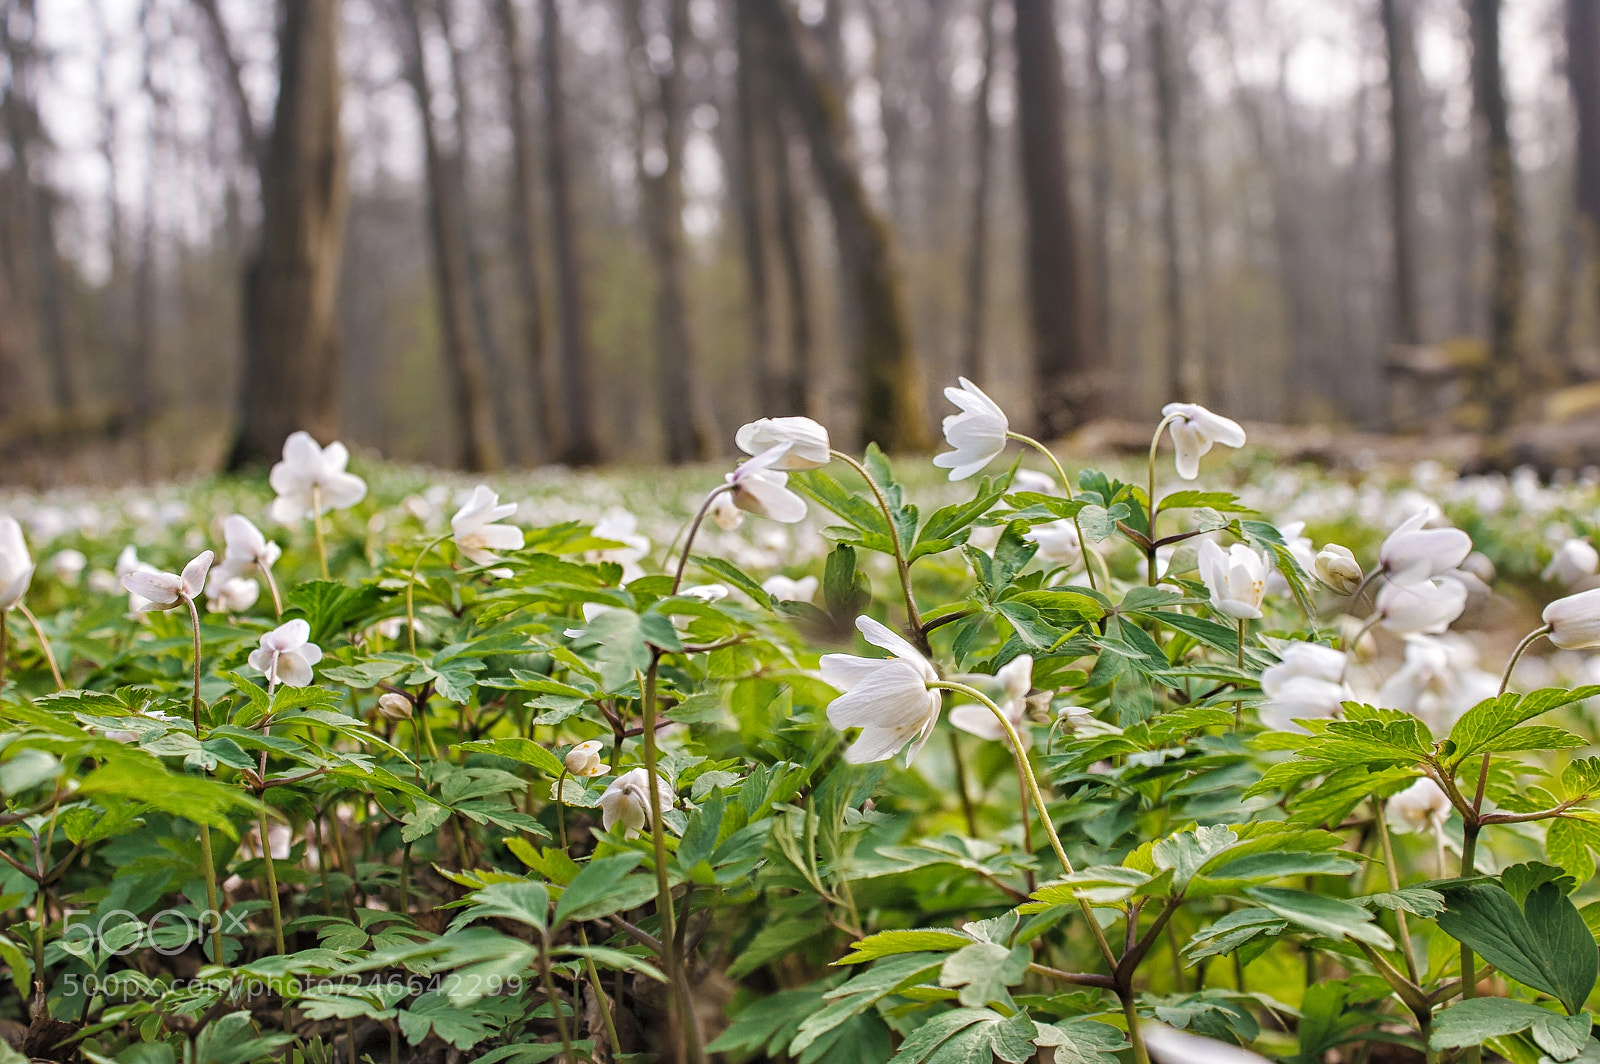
pixel 1063 388
pixel 1099 183
pixel 977 271
pixel 749 191
pixel 1583 78
pixel 1179 381
pixel 1398 31
pixel 789 228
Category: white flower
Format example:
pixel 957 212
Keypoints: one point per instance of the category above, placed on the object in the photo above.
pixel 620 526
pixel 1236 578
pixel 1307 682
pixel 233 595
pixel 1427 607
pixel 783 589
pixel 308 470
pixel 1035 481
pixel 760 489
pixel 103 582
pixel 1195 431
pixel 1575 560
pixel 727 516
pixel 1058 543
pixel 246 549
pixel 1438 682
pixel 1168 1045
pixel 1419 807
pixel 68 565
pixel 1575 620
pixel 978 433
pixel 1337 567
pixel 1413 553
pixel 285 656
pixel 887 698
pixel 1016 679
pixel 705 592
pixel 474 529
pixel 394 706
pixel 585 760
pixel 628 800
pixel 16 564
pixel 808 441
pixel 162 591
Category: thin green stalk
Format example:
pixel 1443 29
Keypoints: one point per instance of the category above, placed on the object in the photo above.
pixel 561 803
pixel 5 648
pixel 411 584
pixel 208 866
pixel 1150 499
pixel 44 645
pixel 316 522
pixel 961 787
pixel 600 996
pixel 694 528
pixel 272 884
pixel 1407 947
pixel 1238 704
pixel 272 586
pixel 555 1002
pixel 1516 655
pixel 913 616
pixel 1130 1011
pixel 1061 474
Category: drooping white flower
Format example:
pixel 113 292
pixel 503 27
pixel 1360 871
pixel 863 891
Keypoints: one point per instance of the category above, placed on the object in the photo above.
pixel 1426 608
pixel 978 433
pixel 1058 543
pixel 246 550
pixel 68 566
pixel 706 592
pixel 16 564
pixel 1307 683
pixel 1337 568
pixel 1413 553
pixel 620 526
pixel 1195 431
pixel 162 591
pixel 1236 578
pixel 808 442
pixel 1420 807
pixel 234 595
pixel 1035 481
pixel 1439 681
pixel 1575 620
pixel 887 698
pixel 783 589
pixel 727 516
pixel 1016 680
pixel 286 654
pixel 311 480
pixel 584 760
pixel 394 706
pixel 475 532
pixel 1574 561
pixel 1168 1045
pixel 628 800
pixel 763 490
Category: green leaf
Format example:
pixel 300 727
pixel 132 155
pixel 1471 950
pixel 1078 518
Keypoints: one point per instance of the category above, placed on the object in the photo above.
pixel 598 890
pixel 1187 852
pixel 521 900
pixel 1419 901
pixel 525 751
pixel 1476 1020
pixel 860 994
pixel 1545 945
pixel 1493 717
pixel 1332 917
pixel 18 965
pixel 738 578
pixel 434 1013
pixel 889 943
pixel 983 970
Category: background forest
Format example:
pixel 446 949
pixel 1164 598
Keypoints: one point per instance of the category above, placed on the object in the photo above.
pixel 492 232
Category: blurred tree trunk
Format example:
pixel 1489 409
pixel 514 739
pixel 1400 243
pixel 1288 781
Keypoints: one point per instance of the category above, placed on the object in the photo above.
pixel 1583 76
pixel 291 342
pixel 579 445
pixel 891 398
pixel 139 376
pixel 459 169
pixel 1399 34
pixel 464 367
pixel 1099 186
pixel 1063 388
pixel 1507 375
pixel 524 227
pixel 1180 382
pixel 977 271
pixel 749 190
pixel 659 96
pixel 789 225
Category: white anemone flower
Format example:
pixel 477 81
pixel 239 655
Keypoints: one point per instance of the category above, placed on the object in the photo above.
pixel 162 591
pixel 1336 566
pixel 1195 430
pixel 762 489
pixel 312 480
pixel 978 433
pixel 233 595
pixel 620 526
pixel 706 592
pixel 16 564
pixel 246 550
pixel 475 531
pixel 784 589
pixel 1016 680
pixel 627 799
pixel 1413 553
pixel 286 654
pixel 809 447
pixel 1575 621
pixel 1426 608
pixel 887 698
pixel 1420 807
pixel 1236 578
pixel 1058 543
pixel 584 759
pixel 1573 562
pixel 1439 681
pixel 1307 683
pixel 727 516
pixel 68 566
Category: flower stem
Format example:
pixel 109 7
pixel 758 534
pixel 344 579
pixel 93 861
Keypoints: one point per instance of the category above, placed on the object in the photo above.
pixel 5 640
pixel 1407 947
pixel 561 804
pixel 961 788
pixel 1238 704
pixel 1061 474
pixel 44 645
pixel 600 997
pixel 1150 499
pixel 316 523
pixel 1516 655
pixel 209 871
pixel 272 884
pixel 411 584
pixel 272 586
pixel 555 1002
pixel 913 617
pixel 694 528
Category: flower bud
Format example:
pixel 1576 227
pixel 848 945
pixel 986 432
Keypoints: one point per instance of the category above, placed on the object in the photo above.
pixel 1337 568
pixel 1575 620
pixel 392 706
pixel 584 759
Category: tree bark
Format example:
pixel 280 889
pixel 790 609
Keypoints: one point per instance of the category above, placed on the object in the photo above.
pixel 788 217
pixel 682 400
pixel 464 366
pixel 1062 385
pixel 579 445
pixel 1506 377
pixel 977 272
pixel 1583 77
pixel 1399 35
pixel 1099 187
pixel 891 400
pixel 749 191
pixel 291 343
pixel 524 230
pixel 1180 385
